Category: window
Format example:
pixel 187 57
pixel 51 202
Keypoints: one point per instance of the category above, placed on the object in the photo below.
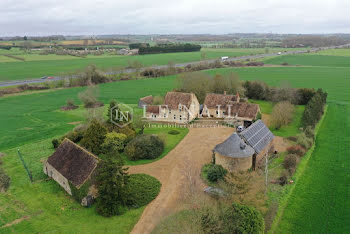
pixel 174 116
pixel 180 117
pixel 169 111
pixel 180 108
pixel 164 115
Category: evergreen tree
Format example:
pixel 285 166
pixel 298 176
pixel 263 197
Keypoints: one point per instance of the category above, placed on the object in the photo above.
pixel 94 137
pixel 112 114
pixel 111 183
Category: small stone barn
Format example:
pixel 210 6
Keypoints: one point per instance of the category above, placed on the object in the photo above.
pixel 145 101
pixel 242 151
pixel 73 168
pixel 260 138
pixel 234 154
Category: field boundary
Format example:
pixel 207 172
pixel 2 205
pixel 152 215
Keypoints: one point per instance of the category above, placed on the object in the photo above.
pixel 299 172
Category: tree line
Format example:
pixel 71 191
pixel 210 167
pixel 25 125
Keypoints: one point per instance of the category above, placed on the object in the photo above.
pixel 169 48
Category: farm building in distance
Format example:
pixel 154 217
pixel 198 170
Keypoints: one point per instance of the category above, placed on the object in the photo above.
pixel 242 151
pixel 178 108
pixel 73 167
pixel 145 101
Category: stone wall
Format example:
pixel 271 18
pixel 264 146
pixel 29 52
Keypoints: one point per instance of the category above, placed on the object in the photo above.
pixel 234 164
pixel 58 177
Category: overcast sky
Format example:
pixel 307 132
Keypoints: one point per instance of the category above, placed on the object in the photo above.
pixel 92 17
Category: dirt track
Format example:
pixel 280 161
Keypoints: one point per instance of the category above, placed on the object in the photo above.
pixel 178 172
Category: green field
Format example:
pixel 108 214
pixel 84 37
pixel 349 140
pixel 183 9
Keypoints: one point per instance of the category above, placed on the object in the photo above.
pixel 37 65
pixel 319 202
pixel 335 52
pixel 311 60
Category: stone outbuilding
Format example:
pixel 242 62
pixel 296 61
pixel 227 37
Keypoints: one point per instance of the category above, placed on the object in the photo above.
pixel 74 169
pixel 234 154
pixel 243 151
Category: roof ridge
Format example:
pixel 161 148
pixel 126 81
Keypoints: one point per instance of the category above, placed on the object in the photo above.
pixel 81 148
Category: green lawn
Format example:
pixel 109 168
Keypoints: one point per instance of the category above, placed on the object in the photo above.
pixel 170 142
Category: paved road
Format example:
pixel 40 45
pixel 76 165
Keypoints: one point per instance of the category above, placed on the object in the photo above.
pixel 257 56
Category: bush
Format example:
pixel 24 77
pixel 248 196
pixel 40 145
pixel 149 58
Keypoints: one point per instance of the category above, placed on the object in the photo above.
pixel 215 172
pixel 296 149
pixel 142 189
pixel 4 181
pixel 114 142
pixel 283 180
pixel 173 132
pixel 236 218
pixel 55 143
pixel 144 147
pixel 290 161
pixel 89 97
pixel 282 114
pixel 94 137
pixel 304 141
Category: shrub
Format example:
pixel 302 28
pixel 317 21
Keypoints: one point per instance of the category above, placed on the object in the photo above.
pixel 290 161
pixel 89 96
pixel 55 143
pixel 236 218
pixel 128 131
pixel 296 149
pixel 282 114
pixel 314 109
pixel 144 147
pixel 4 181
pixel 283 180
pixel 215 172
pixel 173 132
pixel 304 141
pixel 114 142
pixel 142 189
pixel 94 137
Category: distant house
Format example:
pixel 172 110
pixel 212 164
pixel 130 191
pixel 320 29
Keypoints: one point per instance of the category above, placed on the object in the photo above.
pixel 215 104
pixel 242 151
pixel 145 101
pixel 73 167
pixel 178 107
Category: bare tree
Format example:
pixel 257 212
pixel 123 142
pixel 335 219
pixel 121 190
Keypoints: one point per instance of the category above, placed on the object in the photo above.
pixel 282 114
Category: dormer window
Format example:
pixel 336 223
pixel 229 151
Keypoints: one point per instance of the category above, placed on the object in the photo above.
pixel 180 108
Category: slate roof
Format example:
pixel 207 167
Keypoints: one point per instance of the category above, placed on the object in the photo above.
pixel 74 162
pixel 234 147
pixel 257 135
